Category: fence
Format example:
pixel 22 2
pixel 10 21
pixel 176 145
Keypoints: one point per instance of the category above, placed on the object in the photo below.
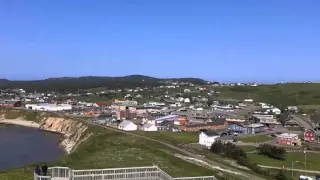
pixel 133 173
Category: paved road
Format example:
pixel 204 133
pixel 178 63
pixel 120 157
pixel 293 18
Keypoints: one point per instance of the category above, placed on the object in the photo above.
pixel 302 122
pixel 290 169
pixel 222 166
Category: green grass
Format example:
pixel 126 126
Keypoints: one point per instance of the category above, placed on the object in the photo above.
pixel 309 108
pixel 175 138
pixel 312 160
pixel 248 148
pixel 294 128
pixel 278 94
pixel 109 149
pixel 12 114
pixel 254 139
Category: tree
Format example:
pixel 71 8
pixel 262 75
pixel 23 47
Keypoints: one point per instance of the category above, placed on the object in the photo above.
pixel 281 176
pixel 272 151
pixel 217 147
pixel 210 101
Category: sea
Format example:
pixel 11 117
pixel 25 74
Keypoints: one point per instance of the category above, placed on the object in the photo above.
pixel 22 146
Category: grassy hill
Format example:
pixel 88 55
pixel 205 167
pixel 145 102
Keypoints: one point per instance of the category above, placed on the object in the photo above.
pixel 280 95
pixel 74 83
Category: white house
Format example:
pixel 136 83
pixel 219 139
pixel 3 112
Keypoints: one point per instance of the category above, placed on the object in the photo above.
pixel 248 100
pixel 49 107
pixel 276 111
pixel 208 138
pixel 127 126
pixel 149 127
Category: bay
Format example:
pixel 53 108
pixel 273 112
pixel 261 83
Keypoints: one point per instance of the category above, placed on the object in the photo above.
pixel 21 146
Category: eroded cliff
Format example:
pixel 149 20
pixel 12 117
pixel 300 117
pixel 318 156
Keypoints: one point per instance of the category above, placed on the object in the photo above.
pixel 73 131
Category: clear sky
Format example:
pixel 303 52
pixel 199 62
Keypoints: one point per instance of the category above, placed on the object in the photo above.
pixel 243 40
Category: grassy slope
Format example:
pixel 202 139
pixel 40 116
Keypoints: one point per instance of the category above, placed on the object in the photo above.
pixel 312 160
pixel 173 138
pixel 106 149
pixel 253 139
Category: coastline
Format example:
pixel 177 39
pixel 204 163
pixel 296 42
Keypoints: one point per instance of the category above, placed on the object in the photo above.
pixel 33 124
pixel 72 132
pixel 20 122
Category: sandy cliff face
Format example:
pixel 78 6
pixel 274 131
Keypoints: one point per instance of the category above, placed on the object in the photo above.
pixel 74 132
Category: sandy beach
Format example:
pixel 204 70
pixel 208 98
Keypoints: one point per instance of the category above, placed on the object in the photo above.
pixel 20 122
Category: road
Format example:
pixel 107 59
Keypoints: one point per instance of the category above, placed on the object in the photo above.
pixel 244 174
pixel 290 169
pixel 302 122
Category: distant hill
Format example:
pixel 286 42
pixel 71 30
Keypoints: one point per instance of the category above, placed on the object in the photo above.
pixel 72 84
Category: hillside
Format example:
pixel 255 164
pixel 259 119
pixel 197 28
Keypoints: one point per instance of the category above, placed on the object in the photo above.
pixel 74 83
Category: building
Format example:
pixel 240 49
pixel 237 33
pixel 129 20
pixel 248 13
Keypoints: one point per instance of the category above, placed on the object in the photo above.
pixel 237 127
pixel 199 115
pixel 10 103
pixel 177 120
pixel 49 107
pixel 149 127
pixel 208 138
pixel 290 139
pixel 167 126
pixel 255 128
pixel 104 118
pixel 309 136
pixel 214 125
pixel 293 109
pixel 127 125
pixel 276 110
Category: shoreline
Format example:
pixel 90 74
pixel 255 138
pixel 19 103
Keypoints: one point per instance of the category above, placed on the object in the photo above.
pixel 35 125
pixel 20 122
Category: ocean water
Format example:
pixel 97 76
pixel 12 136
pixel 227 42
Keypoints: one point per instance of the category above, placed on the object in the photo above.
pixel 21 146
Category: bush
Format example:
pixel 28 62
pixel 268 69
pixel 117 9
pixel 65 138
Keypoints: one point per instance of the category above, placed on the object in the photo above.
pixel 272 151
pixel 228 150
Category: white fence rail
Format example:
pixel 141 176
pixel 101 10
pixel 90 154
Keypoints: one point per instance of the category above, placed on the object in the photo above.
pixel 134 173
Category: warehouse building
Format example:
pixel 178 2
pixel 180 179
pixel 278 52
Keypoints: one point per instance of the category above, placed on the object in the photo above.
pixel 49 107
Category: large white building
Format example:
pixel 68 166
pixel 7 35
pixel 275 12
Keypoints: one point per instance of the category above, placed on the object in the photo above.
pixel 127 125
pixel 49 107
pixel 208 138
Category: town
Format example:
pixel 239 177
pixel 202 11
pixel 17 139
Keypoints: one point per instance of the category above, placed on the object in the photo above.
pixel 186 109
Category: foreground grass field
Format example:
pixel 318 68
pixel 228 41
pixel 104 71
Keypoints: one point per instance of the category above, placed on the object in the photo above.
pixel 175 138
pixel 248 148
pixel 255 139
pixel 108 149
pixel 313 160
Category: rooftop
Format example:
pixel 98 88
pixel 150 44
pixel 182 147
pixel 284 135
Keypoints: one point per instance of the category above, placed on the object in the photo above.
pixel 288 135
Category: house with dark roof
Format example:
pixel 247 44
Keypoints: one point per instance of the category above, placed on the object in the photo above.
pixel 216 124
pixel 10 103
pixel 104 118
pixel 237 127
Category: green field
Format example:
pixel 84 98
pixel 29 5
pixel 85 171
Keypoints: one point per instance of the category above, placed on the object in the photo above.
pixel 280 95
pixel 175 138
pixel 313 160
pixel 248 148
pixel 109 149
pixel 255 139
pixel 294 128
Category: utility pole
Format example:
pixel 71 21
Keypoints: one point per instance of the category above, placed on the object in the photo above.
pixel 305 157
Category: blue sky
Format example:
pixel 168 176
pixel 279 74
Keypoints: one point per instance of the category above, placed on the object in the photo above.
pixel 226 40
